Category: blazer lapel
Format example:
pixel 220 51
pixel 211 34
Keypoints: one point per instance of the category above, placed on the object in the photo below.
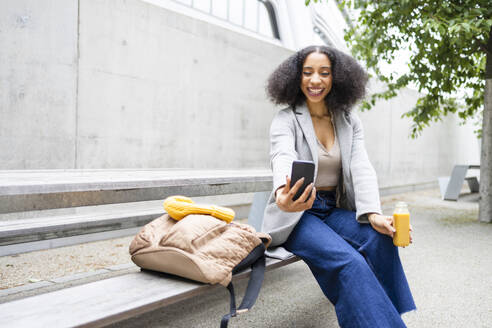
pixel 304 119
pixel 344 133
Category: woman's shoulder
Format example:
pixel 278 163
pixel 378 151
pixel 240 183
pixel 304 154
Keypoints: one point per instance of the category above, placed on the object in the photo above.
pixel 346 116
pixel 284 118
pixel 285 114
pixel 287 111
pixel 352 117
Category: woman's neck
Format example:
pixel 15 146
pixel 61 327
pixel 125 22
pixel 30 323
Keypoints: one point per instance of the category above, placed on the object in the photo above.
pixel 318 109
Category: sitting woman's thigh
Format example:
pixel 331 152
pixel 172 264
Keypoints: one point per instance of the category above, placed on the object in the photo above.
pixel 312 239
pixel 344 223
pixel 361 236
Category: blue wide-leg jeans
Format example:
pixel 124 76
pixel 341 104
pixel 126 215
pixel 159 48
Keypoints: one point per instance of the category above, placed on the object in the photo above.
pixel 357 268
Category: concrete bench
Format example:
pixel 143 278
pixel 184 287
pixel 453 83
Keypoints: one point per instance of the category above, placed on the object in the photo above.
pixel 450 187
pixel 107 301
pixel 114 299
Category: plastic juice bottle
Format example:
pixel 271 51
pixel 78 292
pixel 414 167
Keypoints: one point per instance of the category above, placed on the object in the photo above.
pixel 401 218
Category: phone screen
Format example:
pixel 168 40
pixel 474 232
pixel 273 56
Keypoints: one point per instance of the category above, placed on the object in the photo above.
pixel 301 169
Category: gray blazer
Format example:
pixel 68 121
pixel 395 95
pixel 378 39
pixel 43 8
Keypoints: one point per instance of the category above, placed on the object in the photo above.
pixel 292 138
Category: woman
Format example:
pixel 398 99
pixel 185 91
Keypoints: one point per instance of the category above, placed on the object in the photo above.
pixel 336 226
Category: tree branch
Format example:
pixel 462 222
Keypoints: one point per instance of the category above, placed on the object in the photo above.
pixel 482 46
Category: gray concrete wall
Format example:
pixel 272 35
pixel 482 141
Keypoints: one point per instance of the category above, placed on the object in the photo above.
pixel 38 73
pixel 152 88
pixel 400 160
pixel 158 89
pixel 126 84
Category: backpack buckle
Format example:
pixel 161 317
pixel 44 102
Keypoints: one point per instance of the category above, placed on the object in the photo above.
pixel 241 311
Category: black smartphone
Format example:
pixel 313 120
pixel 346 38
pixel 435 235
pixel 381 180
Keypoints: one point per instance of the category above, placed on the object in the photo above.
pixel 301 169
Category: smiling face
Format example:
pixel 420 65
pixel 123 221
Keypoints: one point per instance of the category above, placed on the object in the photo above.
pixel 316 77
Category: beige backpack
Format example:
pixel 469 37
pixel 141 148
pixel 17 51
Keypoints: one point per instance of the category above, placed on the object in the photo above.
pixel 205 249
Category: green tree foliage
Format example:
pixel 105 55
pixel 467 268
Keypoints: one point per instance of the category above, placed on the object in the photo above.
pixel 448 42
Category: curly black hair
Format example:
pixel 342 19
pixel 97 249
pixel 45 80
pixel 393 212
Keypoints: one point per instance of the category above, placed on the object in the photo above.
pixel 348 87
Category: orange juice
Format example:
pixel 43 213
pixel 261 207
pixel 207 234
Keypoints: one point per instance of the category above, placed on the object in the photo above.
pixel 401 218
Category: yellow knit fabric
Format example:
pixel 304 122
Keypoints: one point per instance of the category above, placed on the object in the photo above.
pixel 180 206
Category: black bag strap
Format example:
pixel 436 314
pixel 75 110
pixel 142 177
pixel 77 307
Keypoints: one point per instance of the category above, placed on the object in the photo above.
pixel 252 291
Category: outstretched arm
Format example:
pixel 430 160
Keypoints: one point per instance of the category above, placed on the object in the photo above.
pixel 283 154
pixel 282 147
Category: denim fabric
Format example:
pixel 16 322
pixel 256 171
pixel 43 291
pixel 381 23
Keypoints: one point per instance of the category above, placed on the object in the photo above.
pixel 357 268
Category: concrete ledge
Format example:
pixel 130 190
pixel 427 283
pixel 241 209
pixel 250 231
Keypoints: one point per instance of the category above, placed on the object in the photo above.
pixel 63 281
pixel 384 191
pixel 124 266
pixel 37 190
pixel 67 241
pixel 23 231
pixel 23 288
pixel 77 276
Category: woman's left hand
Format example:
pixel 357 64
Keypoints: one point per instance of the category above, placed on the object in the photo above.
pixel 384 224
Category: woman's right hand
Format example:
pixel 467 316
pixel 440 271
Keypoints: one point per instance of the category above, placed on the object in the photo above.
pixel 285 194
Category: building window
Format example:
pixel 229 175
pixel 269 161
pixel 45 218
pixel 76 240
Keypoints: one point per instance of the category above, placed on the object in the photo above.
pixel 254 15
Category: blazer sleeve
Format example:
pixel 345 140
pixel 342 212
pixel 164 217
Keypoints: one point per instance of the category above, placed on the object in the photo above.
pixel 282 146
pixel 364 178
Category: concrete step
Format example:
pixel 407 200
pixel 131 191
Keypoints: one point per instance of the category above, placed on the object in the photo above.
pixel 30 231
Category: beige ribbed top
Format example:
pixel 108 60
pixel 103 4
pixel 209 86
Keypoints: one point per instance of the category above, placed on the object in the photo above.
pixel 329 164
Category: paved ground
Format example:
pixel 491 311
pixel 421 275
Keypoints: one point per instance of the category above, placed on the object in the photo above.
pixel 22 269
pixel 448 268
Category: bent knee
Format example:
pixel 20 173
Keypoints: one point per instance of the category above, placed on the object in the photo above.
pixel 381 243
pixel 355 263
